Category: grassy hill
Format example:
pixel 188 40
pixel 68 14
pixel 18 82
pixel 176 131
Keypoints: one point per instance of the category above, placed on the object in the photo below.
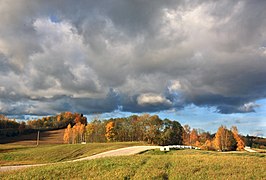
pixel 46 137
pixel 181 164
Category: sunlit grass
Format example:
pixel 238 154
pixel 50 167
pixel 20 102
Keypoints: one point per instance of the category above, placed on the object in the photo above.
pixel 181 164
pixel 18 154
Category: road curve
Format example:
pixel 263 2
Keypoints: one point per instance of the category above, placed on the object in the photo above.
pixel 248 149
pixel 118 152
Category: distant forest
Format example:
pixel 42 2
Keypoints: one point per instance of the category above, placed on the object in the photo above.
pixel 11 128
pixel 147 128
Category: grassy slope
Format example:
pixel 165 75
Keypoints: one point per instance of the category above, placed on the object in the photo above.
pixel 182 164
pixel 46 137
pixel 20 154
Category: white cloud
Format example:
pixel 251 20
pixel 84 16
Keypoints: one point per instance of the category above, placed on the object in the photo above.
pixel 148 98
pixel 175 86
pixel 248 107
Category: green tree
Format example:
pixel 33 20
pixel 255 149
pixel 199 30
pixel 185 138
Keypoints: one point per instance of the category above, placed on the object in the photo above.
pixel 172 133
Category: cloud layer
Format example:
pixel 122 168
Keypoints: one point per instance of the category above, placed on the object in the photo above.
pixel 137 56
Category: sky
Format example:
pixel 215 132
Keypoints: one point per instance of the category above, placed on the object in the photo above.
pixel 200 62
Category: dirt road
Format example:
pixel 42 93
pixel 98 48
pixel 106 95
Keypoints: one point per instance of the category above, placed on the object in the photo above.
pixel 118 152
pixel 250 150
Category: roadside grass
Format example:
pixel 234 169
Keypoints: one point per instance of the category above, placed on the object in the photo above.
pixel 19 154
pixel 179 164
pixel 259 150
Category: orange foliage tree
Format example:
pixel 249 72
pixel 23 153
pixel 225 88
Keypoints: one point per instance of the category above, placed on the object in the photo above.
pixel 240 142
pixel 194 137
pixel 207 145
pixel 110 131
pixel 78 133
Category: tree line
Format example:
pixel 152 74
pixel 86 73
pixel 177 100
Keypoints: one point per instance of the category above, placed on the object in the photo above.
pixel 10 127
pixel 147 128
pixel 223 140
pixel 58 121
pixel 153 130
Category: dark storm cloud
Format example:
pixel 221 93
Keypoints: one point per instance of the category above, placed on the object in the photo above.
pixel 4 65
pixel 137 56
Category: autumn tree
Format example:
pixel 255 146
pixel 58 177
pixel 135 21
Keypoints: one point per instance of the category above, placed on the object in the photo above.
pixel 59 121
pixel 78 133
pixel 207 145
pixel 81 131
pixel 68 134
pixel 220 139
pixel 74 135
pixel 80 118
pixel 194 137
pixel 99 130
pixel 186 135
pixel 224 139
pixel 90 131
pixel 110 131
pixel 204 136
pixel 239 140
pixel 122 128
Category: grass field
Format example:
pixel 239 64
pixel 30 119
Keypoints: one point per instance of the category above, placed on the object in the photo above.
pixel 180 164
pixel 11 154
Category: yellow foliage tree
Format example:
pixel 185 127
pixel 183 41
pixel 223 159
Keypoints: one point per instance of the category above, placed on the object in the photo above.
pixel 110 131
pixel 220 137
pixel 67 134
pixel 74 134
pixel 81 131
pixel 240 142
pixel 224 139
pixel 90 131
